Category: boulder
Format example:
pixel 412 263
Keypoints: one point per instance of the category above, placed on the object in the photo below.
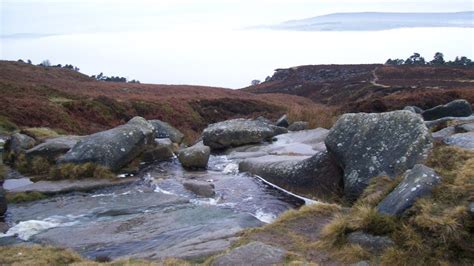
pixel 370 242
pixel 3 227
pixel 164 130
pixel 413 109
pixel 253 253
pixel 200 188
pixel 238 132
pixel 440 135
pixel 317 176
pixel 462 140
pixel 53 148
pixel 3 202
pixel 115 147
pixel 298 126
pixel 370 145
pixel 282 121
pixel 443 122
pixel 417 182
pixel 194 157
pixel 457 108
pixel 19 143
pixel 163 150
pixel 263 119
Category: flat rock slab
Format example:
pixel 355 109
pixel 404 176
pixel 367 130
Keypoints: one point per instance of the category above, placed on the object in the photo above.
pixel 417 182
pixel 254 253
pixel 462 140
pixel 65 186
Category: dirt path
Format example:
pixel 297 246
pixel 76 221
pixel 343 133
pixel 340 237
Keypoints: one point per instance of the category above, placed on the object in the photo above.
pixel 375 79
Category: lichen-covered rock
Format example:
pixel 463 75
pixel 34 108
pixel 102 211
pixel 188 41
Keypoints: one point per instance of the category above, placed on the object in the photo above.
pixel 370 145
pixel 318 176
pixel 163 150
pixel 457 108
pixel 370 242
pixel 417 182
pixel 238 132
pixel 194 157
pixel 298 126
pixel 53 148
pixel 115 147
pixel 462 140
pixel 282 121
pixel 413 109
pixel 19 143
pixel 164 130
pixel 200 188
pixel 253 253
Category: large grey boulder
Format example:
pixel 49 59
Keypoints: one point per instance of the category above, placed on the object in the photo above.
pixel 200 188
pixel 282 121
pixel 462 140
pixel 370 145
pixel 3 202
pixel 238 132
pixel 318 176
pixel 19 143
pixel 53 148
pixel 457 108
pixel 114 148
pixel 253 253
pixel 417 182
pixel 194 157
pixel 370 242
pixel 298 126
pixel 164 130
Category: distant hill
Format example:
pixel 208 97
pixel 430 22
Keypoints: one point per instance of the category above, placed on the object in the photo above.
pixel 372 88
pixel 59 98
pixel 373 21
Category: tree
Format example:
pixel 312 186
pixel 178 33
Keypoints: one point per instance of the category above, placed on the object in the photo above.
pixel 45 63
pixel 415 59
pixel 29 61
pixel 438 59
pixel 395 62
pixel 255 82
pixel 462 61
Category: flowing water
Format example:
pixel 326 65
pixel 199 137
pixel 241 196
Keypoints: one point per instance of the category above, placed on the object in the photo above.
pixel 154 218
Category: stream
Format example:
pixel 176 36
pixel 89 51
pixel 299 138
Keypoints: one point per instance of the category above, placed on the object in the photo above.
pixel 156 217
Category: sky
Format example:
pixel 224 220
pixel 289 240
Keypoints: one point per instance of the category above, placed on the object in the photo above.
pixel 207 42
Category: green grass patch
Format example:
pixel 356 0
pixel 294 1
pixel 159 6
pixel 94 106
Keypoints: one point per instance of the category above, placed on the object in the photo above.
pixel 6 126
pixel 19 197
pixel 80 171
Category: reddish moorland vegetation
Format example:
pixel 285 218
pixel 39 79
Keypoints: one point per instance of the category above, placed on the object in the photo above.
pixel 373 88
pixel 34 96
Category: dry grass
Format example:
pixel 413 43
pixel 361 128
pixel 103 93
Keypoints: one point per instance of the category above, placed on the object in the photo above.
pixel 37 255
pixel 80 171
pixel 316 115
pixel 40 133
pixel 24 197
pixel 3 171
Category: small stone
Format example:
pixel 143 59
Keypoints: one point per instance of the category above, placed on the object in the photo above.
pixel 370 242
pixel 195 157
pixel 298 126
pixel 200 188
pixel 282 121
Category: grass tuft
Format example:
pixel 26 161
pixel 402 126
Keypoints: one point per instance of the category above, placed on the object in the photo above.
pixel 40 133
pixel 20 197
pixel 80 171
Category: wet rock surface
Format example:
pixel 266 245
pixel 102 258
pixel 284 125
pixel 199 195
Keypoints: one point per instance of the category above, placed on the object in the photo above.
pixel 115 147
pixel 417 182
pixel 3 202
pixel 369 145
pixel 164 130
pixel 457 108
pixel 200 188
pixel 253 253
pixel 238 132
pixel 282 121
